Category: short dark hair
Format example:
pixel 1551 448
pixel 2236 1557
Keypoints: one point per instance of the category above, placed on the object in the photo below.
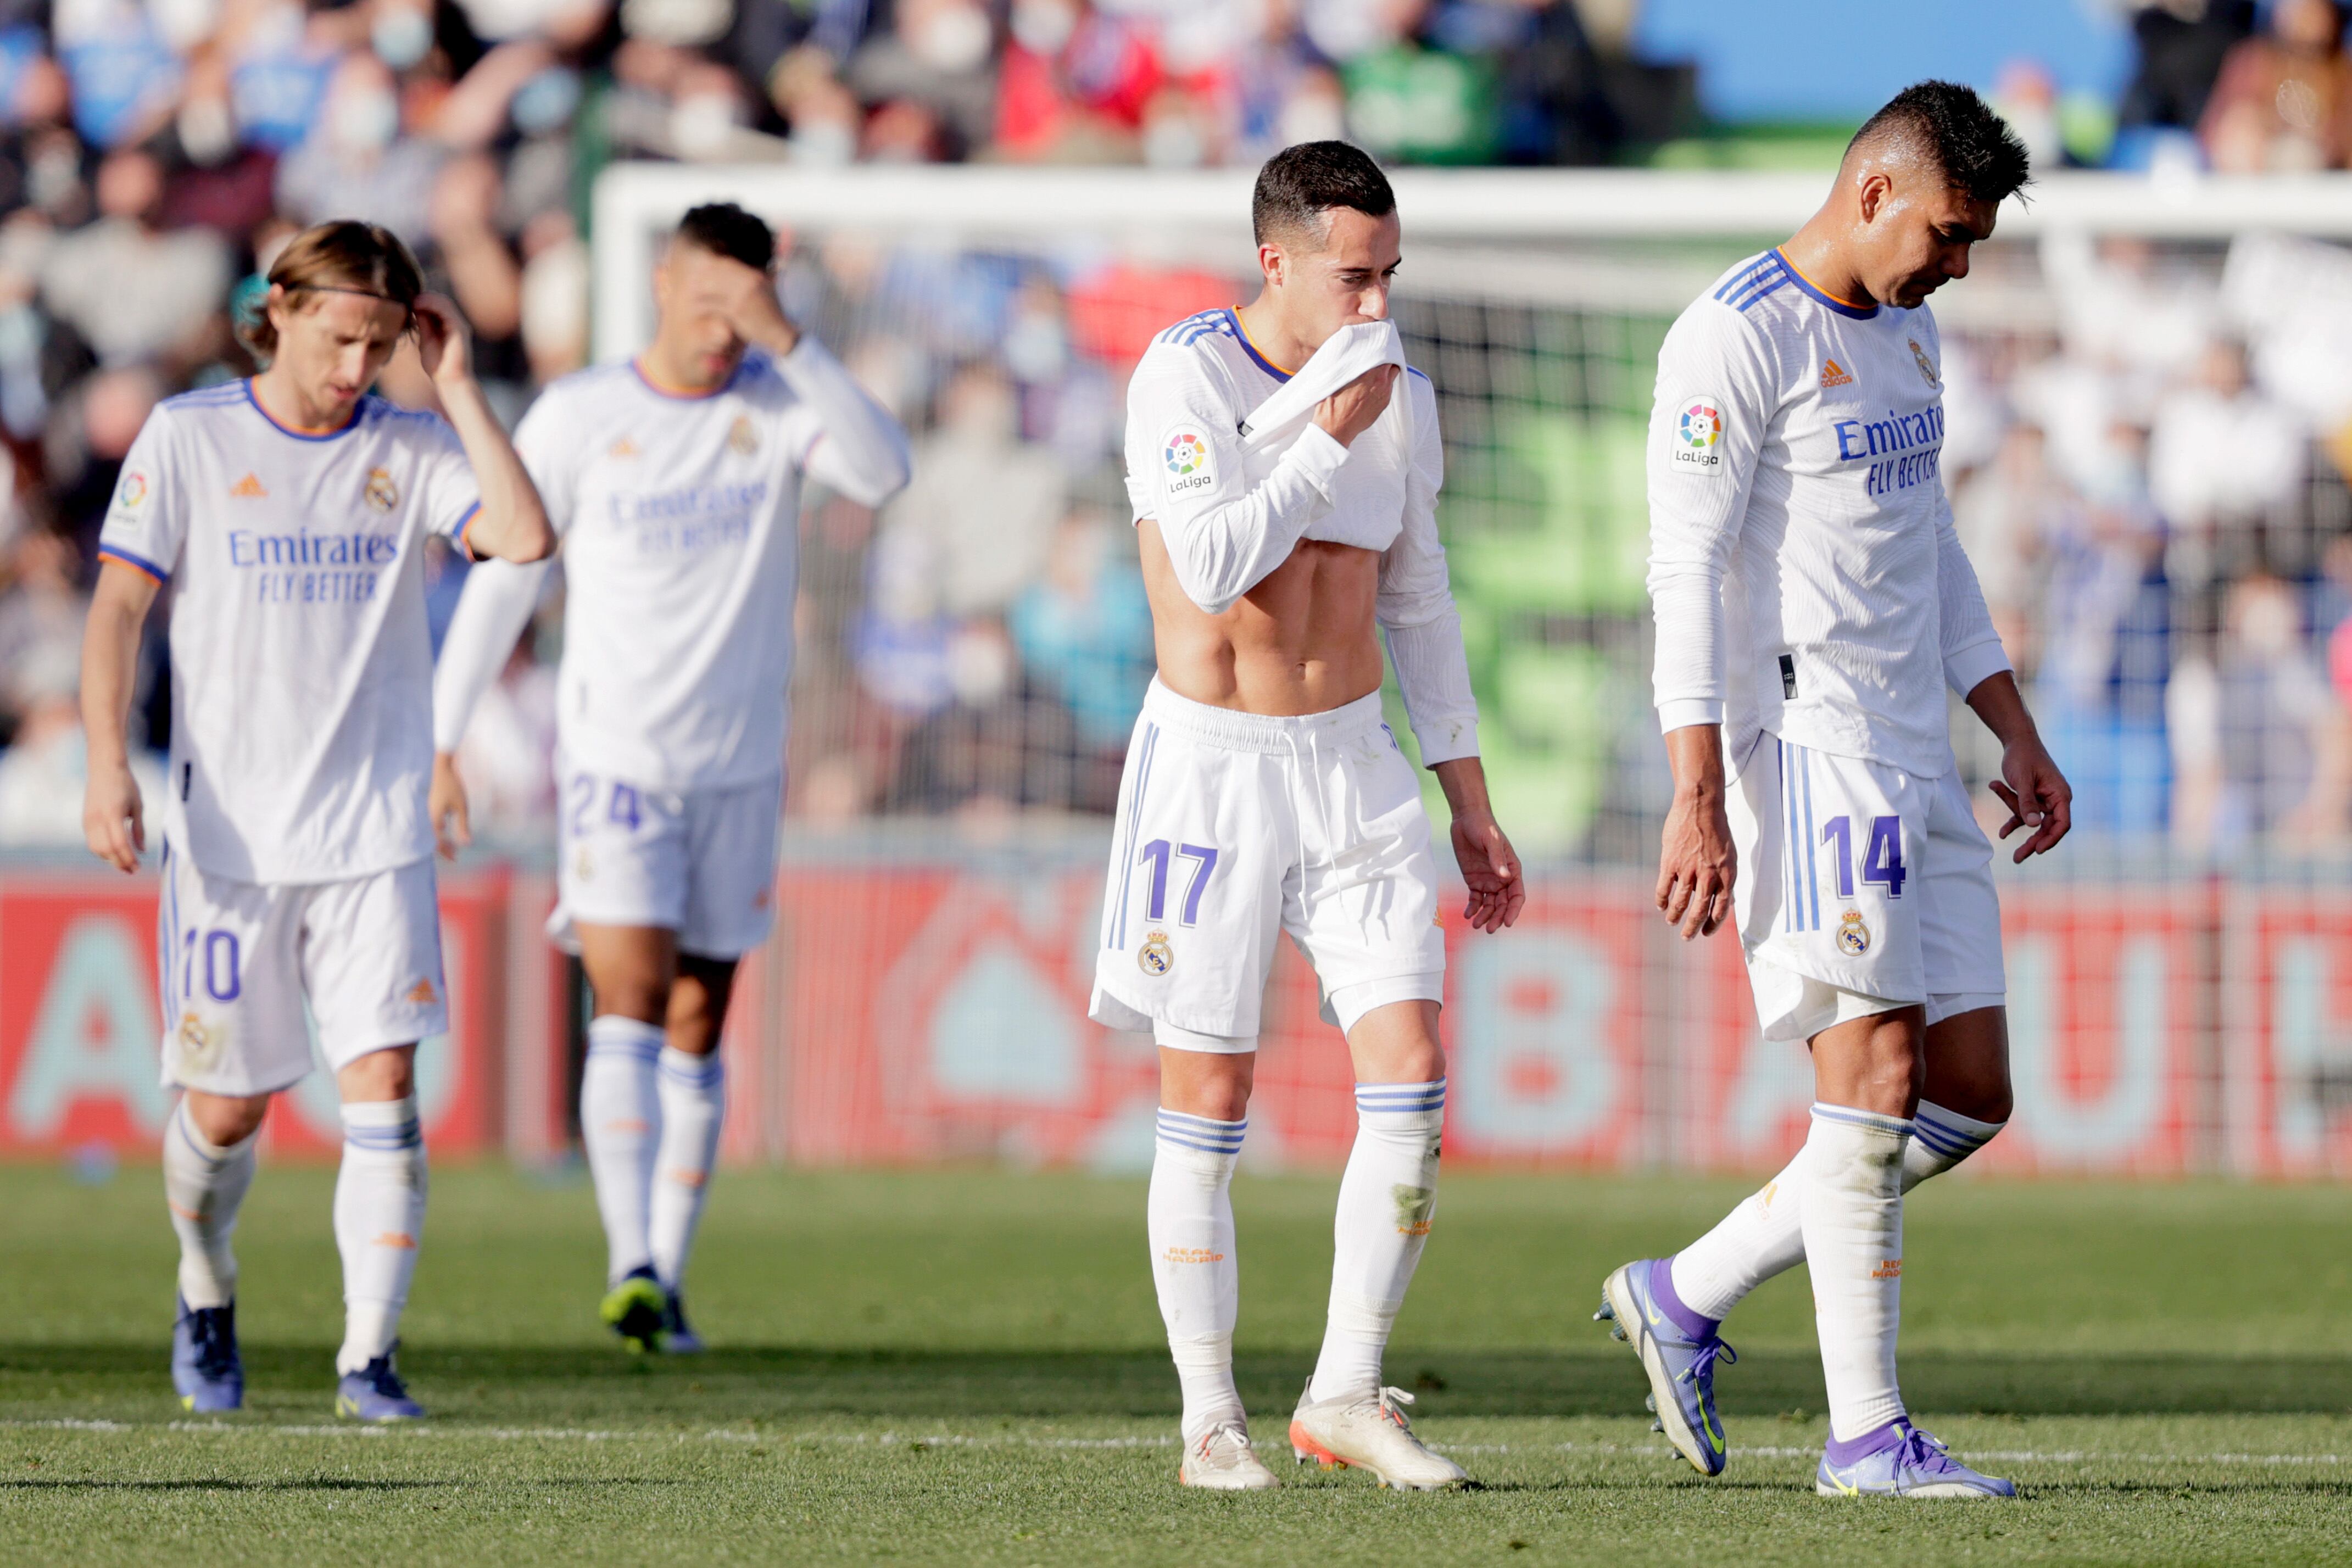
pixel 1950 123
pixel 722 229
pixel 1301 182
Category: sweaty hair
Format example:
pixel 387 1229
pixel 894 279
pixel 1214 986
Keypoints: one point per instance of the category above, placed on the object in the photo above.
pixel 346 256
pixel 722 229
pixel 1299 184
pixel 1948 123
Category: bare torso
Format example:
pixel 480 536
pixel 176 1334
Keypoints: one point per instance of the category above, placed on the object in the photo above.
pixel 1300 642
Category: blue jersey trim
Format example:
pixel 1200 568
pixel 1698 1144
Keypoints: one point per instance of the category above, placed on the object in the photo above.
pixel 1747 276
pixel 359 412
pixel 132 559
pixel 1268 366
pixel 1851 312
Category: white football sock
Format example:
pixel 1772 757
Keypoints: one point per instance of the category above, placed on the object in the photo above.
pixel 1189 1218
pixel 1386 1201
pixel 693 1103
pixel 203 1186
pixel 379 1219
pixel 1765 1235
pixel 620 1122
pixel 1853 1180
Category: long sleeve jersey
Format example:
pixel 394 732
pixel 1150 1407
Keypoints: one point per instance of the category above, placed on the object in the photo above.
pixel 1230 509
pixel 1803 567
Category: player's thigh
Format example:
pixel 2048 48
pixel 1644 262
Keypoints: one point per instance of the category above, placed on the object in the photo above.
pixel 1193 897
pixel 730 871
pixel 1850 833
pixel 372 962
pixel 230 972
pixel 1364 904
pixel 622 856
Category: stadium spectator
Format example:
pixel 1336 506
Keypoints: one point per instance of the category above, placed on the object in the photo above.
pixel 46 764
pixel 2283 103
pixel 134 293
pixel 41 614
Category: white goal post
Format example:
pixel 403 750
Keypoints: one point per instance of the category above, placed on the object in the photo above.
pixel 636 203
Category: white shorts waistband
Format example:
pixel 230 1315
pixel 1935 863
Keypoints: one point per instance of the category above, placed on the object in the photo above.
pixel 1237 731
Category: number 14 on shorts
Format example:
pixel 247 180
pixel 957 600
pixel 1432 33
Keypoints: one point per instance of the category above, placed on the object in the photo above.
pixel 1882 859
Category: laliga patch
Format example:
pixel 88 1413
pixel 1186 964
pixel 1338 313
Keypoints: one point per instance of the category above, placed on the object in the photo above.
pixel 131 493
pixel 1852 934
pixel 1156 957
pixel 1696 446
pixel 1185 464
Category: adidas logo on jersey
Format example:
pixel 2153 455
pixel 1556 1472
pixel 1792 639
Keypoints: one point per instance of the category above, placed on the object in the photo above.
pixel 249 489
pixel 423 993
pixel 624 447
pixel 1834 375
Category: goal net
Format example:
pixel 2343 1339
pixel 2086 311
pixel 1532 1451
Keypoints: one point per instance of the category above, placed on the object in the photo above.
pixel 2147 397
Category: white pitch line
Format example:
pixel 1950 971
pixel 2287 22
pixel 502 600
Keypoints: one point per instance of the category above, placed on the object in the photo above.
pixel 958 1440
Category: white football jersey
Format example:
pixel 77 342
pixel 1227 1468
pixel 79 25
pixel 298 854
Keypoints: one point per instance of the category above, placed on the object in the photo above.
pixel 1803 566
pixel 681 519
pixel 1230 513
pixel 301 668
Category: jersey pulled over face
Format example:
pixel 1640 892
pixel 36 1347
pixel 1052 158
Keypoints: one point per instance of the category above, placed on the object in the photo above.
pixel 1804 569
pixel 1187 403
pixel 681 520
pixel 301 667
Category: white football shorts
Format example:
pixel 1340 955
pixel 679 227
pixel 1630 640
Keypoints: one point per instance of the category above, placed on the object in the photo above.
pixel 701 863
pixel 240 961
pixel 1862 888
pixel 1234 828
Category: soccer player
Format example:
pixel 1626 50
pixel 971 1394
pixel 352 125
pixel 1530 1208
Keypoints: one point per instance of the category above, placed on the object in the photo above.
pixel 290 513
pixel 676 483
pixel 1812 603
pixel 1283 468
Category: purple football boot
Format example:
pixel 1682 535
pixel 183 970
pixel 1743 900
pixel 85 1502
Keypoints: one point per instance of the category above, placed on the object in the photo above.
pixel 1678 1349
pixel 1900 1460
pixel 207 1373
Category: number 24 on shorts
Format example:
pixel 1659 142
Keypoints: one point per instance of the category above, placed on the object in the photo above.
pixel 1881 861
pixel 1159 851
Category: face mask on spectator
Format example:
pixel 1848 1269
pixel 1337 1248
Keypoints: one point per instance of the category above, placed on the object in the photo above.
pixel 365 119
pixel 401 37
pixel 545 102
pixel 1043 27
pixel 953 39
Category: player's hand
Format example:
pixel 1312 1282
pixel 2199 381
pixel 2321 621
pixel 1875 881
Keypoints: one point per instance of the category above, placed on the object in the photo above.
pixel 1351 411
pixel 1490 868
pixel 1698 866
pixel 443 345
pixel 111 820
pixel 453 829
pixel 2036 794
pixel 754 309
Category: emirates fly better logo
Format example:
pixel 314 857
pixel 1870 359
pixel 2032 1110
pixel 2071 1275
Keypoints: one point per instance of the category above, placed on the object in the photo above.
pixel 1698 436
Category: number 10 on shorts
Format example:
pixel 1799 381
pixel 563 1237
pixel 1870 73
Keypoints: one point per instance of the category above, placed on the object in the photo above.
pixel 1159 851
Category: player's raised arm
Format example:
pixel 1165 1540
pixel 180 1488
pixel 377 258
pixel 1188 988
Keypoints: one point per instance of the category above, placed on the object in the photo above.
pixel 513 523
pixel 1222 533
pixel 859 448
pixel 1713 396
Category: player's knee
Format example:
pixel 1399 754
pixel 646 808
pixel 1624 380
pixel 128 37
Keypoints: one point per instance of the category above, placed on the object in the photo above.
pixel 386 1074
pixel 222 1119
pixel 642 995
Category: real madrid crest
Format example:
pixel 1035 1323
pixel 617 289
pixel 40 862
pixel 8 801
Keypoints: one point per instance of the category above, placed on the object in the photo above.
pixel 1852 934
pixel 1156 957
pixel 1927 366
pixel 742 439
pixel 381 493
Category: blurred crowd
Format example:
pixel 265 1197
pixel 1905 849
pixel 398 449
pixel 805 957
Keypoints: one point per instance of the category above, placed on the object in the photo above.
pixel 2150 489
pixel 2154 495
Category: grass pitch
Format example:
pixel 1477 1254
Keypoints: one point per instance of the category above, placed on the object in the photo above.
pixel 966 1367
